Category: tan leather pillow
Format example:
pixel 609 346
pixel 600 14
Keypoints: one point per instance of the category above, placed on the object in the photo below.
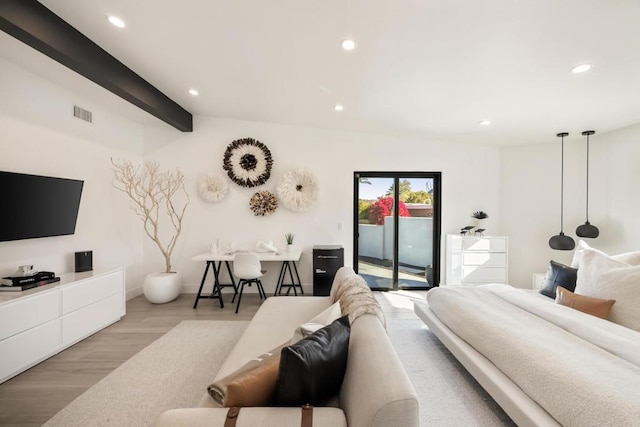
pixel 595 306
pixel 254 388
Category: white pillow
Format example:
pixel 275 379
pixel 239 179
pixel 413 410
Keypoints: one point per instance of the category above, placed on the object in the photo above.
pixel 632 258
pixel 323 319
pixel 602 276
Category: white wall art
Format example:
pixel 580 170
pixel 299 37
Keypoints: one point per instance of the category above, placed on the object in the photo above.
pixel 248 162
pixel 298 190
pixel 212 187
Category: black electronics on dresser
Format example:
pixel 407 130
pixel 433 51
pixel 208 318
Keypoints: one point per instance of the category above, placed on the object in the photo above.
pixel 327 260
pixel 84 261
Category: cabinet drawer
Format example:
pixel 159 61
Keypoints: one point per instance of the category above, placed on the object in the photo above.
pixel 25 313
pixel 484 275
pixel 87 320
pixel 28 348
pixel 90 291
pixel 484 244
pixel 484 259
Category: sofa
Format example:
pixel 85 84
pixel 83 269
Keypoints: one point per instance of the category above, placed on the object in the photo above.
pixel 375 392
pixel 546 361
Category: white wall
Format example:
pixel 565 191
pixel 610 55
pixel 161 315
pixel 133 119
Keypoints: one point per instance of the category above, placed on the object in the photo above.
pixel 470 178
pixel 40 136
pixel 530 197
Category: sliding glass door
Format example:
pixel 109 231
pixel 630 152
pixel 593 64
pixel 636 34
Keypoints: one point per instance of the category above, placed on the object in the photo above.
pixel 397 229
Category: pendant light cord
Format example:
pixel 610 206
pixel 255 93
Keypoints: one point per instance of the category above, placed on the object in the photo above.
pixel 587 178
pixel 562 188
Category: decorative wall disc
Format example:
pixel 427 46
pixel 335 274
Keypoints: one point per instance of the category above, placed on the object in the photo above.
pixel 298 190
pixel 263 203
pixel 248 162
pixel 212 187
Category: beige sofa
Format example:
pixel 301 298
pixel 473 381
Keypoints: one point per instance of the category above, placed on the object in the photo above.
pixel 376 391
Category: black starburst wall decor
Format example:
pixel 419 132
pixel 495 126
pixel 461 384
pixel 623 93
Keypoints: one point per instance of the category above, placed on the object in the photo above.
pixel 248 162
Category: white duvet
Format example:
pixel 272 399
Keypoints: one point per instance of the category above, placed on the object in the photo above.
pixel 583 370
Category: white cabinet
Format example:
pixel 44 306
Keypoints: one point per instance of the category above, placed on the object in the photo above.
pixel 38 323
pixel 476 260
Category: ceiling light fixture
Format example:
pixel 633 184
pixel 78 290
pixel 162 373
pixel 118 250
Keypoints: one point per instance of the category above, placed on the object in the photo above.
pixel 484 122
pixel 348 44
pixel 582 68
pixel 560 241
pixel 116 21
pixel 193 92
pixel 586 229
pixel 338 107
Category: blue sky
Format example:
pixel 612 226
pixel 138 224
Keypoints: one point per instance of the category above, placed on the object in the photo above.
pixel 379 187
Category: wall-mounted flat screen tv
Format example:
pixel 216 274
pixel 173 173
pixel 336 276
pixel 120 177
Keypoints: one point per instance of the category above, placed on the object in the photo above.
pixel 37 206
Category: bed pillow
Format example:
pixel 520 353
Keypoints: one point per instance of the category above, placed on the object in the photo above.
pixel 631 258
pixel 600 276
pixel 332 313
pixel 594 306
pixel 311 370
pixel 558 275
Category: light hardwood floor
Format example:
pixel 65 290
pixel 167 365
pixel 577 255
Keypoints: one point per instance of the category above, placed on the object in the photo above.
pixel 37 394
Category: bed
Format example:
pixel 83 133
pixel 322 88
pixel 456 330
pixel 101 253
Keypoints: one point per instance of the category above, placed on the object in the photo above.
pixel 545 364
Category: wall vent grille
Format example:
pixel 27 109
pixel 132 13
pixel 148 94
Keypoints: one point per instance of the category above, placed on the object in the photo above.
pixel 82 114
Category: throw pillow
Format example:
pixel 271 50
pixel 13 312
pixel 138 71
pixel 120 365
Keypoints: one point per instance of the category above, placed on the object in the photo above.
pixel 332 313
pixel 311 370
pixel 558 275
pixel 254 388
pixel 218 389
pixel 600 276
pixel 595 306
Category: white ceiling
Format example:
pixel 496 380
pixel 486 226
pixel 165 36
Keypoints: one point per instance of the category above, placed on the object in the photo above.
pixel 424 68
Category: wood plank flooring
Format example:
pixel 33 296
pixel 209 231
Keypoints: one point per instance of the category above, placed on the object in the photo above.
pixel 37 394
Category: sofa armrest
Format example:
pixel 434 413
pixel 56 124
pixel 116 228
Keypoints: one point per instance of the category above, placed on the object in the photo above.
pixel 250 417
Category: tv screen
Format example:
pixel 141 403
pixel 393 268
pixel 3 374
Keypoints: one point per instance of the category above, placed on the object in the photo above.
pixel 38 206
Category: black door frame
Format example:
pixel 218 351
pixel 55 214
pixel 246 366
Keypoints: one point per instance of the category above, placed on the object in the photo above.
pixel 437 210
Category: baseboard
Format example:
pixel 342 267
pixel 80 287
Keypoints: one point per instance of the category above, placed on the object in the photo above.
pixel 192 288
pixel 132 293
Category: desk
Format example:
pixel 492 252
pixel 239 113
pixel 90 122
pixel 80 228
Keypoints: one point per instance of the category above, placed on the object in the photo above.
pixel 215 260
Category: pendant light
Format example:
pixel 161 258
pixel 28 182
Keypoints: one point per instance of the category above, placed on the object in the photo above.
pixel 560 241
pixel 586 229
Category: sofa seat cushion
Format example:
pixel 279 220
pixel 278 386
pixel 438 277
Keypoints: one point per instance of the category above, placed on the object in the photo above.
pixel 250 417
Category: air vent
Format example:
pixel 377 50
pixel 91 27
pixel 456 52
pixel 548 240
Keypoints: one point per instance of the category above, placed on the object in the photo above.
pixel 82 114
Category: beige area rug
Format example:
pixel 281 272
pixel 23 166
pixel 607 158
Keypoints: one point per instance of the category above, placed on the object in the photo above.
pixel 448 395
pixel 161 376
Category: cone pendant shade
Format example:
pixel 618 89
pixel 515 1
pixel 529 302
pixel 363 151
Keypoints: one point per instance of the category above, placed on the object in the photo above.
pixel 560 241
pixel 586 229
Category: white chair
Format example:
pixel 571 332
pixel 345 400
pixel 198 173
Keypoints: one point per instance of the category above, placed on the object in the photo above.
pixel 248 269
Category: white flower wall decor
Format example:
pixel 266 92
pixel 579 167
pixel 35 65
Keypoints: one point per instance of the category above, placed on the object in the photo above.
pixel 298 190
pixel 213 187
pixel 263 203
pixel 248 162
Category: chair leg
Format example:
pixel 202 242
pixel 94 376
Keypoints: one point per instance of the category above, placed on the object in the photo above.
pixel 261 290
pixel 241 284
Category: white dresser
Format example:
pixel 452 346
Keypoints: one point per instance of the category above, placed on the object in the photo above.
pixel 476 260
pixel 40 322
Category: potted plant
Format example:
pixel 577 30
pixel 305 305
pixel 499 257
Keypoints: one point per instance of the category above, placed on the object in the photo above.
pixel 289 238
pixel 152 192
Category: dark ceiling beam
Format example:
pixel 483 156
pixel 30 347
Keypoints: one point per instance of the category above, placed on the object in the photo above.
pixel 32 23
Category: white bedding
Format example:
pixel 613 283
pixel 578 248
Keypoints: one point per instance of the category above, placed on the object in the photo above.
pixel 583 370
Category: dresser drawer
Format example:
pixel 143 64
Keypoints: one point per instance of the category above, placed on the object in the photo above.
pixel 91 291
pixel 87 320
pixel 484 259
pixel 26 313
pixel 483 275
pixel 484 244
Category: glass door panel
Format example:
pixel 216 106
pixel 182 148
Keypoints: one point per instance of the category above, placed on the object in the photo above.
pixel 375 231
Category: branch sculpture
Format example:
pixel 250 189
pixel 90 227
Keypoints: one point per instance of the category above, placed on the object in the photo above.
pixel 151 191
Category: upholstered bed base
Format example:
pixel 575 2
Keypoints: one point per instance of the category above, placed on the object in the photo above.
pixel 520 407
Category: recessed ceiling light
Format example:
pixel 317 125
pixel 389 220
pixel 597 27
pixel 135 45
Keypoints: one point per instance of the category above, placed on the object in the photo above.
pixel 116 21
pixel 338 107
pixel 348 44
pixel 193 92
pixel 581 68
pixel 484 122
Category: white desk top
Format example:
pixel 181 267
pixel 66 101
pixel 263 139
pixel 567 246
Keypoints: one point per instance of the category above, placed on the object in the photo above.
pixel 262 256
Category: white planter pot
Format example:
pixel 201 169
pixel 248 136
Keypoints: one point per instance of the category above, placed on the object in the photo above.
pixel 160 288
pixel 291 248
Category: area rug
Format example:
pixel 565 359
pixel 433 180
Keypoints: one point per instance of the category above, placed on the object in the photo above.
pixel 448 395
pixel 162 376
